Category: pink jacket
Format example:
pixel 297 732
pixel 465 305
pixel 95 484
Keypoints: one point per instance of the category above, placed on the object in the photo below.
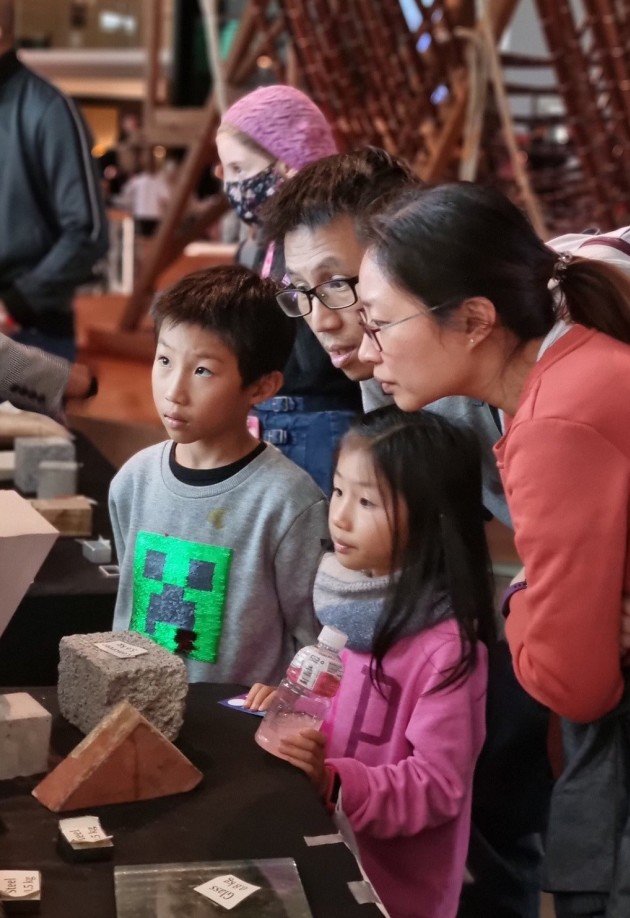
pixel 565 464
pixel 406 767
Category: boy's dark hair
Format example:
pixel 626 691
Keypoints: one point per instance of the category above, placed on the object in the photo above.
pixel 435 468
pixel 345 184
pixel 240 308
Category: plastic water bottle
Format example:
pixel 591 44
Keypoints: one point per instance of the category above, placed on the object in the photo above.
pixel 304 695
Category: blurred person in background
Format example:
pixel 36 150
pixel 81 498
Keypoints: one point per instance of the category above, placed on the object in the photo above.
pixel 52 218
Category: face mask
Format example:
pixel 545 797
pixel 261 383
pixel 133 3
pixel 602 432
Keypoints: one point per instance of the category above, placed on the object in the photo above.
pixel 248 196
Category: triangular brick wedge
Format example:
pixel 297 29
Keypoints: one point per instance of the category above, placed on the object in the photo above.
pixel 123 759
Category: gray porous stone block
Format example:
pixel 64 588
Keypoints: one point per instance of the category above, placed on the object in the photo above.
pixel 30 451
pixel 24 736
pixel 92 681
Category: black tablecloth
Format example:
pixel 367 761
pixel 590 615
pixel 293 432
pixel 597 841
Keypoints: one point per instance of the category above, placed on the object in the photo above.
pixel 69 595
pixel 249 805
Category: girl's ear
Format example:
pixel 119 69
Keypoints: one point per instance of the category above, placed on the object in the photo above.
pixel 218 171
pixel 265 387
pixel 287 171
pixel 480 317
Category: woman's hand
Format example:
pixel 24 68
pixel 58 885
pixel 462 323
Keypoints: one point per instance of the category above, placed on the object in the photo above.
pixel 307 751
pixel 260 696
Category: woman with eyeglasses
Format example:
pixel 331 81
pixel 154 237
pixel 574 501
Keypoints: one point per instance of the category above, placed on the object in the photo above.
pixel 460 296
pixel 263 139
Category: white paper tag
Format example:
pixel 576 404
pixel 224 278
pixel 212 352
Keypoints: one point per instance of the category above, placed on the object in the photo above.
pixel 20 884
pixel 314 840
pixel 226 890
pixel 121 649
pixel 84 831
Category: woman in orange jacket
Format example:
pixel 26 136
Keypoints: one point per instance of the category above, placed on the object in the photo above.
pixel 461 297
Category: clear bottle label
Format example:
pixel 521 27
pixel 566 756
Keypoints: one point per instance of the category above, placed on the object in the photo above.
pixel 315 671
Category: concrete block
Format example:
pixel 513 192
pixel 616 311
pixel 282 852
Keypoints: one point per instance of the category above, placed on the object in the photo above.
pixel 7 464
pixel 92 680
pixel 57 479
pixel 24 736
pixel 30 451
pixel 122 760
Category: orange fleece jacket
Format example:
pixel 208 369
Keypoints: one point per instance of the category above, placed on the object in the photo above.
pixel 565 465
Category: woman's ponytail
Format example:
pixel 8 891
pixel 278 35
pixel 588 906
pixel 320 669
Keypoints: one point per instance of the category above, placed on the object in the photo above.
pixel 597 295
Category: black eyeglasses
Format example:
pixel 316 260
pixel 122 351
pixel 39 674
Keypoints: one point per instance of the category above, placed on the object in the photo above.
pixel 333 294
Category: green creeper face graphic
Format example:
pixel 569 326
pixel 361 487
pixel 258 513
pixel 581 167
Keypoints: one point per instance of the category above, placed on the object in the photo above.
pixel 180 587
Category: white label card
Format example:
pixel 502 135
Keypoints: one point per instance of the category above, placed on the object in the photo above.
pixel 227 890
pixel 84 831
pixel 121 649
pixel 20 884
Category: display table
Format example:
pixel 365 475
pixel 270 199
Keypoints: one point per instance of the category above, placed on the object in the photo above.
pixel 249 805
pixel 69 594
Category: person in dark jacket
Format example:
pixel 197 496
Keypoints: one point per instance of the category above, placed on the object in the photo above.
pixel 52 218
pixel 265 137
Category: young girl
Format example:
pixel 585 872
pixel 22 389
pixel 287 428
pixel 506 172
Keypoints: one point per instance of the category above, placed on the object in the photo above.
pixel 409 583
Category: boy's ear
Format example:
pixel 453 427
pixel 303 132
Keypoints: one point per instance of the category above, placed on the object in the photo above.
pixel 266 387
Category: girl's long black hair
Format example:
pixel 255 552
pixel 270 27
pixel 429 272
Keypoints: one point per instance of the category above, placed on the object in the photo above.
pixel 433 467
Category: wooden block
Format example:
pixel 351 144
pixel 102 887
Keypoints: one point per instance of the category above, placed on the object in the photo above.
pixel 122 760
pixel 71 516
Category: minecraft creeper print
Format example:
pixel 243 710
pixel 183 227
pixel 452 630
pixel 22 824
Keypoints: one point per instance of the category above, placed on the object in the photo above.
pixel 180 586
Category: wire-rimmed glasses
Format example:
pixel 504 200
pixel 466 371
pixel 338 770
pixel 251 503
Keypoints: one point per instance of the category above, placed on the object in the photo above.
pixel 373 331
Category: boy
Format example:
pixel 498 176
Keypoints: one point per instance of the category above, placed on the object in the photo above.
pixel 218 535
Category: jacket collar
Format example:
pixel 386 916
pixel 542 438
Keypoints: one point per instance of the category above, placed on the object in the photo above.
pixel 9 64
pixel 574 338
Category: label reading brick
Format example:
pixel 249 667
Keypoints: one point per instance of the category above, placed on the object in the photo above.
pixel 121 649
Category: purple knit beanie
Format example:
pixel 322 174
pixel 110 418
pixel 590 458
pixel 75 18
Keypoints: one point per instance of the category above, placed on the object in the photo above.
pixel 285 122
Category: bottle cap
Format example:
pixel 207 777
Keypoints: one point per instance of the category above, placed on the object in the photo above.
pixel 332 638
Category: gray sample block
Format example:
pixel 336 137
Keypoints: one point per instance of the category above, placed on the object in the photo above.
pixel 30 451
pixel 24 736
pixel 57 479
pixel 92 680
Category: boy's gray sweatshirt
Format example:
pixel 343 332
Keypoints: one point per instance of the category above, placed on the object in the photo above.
pixel 221 573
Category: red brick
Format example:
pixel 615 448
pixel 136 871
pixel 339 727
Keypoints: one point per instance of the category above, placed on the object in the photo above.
pixel 125 758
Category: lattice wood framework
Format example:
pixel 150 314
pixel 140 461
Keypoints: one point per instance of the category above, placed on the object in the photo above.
pixel 378 81
pixel 381 82
pixel 589 44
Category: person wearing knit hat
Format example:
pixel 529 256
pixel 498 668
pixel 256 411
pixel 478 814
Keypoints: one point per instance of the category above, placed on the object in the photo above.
pixel 263 139
pixel 284 121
